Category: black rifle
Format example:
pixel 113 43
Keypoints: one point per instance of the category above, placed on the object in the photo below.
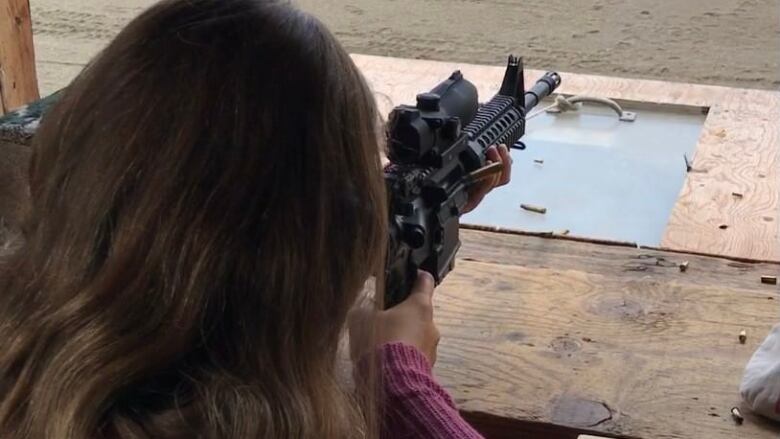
pixel 433 147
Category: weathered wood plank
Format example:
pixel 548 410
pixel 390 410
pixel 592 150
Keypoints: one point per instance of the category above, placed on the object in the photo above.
pixel 739 150
pixel 18 78
pixel 624 263
pixel 575 335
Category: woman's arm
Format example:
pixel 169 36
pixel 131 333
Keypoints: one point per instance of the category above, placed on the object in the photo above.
pixel 415 405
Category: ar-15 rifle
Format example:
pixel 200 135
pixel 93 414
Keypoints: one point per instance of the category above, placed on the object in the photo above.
pixel 433 147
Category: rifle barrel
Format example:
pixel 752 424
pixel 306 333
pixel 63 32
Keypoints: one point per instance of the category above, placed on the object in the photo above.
pixel 543 88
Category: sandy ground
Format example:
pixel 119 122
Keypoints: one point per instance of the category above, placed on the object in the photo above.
pixel 727 42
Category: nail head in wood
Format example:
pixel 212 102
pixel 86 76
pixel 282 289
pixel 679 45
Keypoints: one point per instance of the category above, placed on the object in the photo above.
pixel 742 336
pixel 684 266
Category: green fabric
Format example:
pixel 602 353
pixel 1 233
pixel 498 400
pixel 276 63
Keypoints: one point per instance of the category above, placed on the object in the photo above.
pixel 20 125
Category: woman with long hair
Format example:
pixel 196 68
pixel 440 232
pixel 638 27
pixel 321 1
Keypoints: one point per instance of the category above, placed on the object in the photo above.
pixel 207 203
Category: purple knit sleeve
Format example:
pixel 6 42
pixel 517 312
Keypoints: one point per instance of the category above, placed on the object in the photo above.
pixel 415 405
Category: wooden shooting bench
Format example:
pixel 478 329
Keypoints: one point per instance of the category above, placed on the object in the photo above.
pixel 548 336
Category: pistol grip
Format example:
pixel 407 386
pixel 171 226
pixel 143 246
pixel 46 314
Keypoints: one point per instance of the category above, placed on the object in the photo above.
pixel 399 282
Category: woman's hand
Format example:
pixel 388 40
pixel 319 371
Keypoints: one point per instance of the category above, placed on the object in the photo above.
pixel 410 322
pixel 494 154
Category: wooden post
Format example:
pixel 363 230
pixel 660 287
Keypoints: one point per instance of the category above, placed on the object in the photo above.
pixel 18 79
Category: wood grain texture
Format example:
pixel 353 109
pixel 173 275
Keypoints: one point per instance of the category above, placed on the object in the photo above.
pixel 600 339
pixel 18 78
pixel 739 152
pixel 739 149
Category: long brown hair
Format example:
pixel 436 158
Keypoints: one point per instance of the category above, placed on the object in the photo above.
pixel 207 203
